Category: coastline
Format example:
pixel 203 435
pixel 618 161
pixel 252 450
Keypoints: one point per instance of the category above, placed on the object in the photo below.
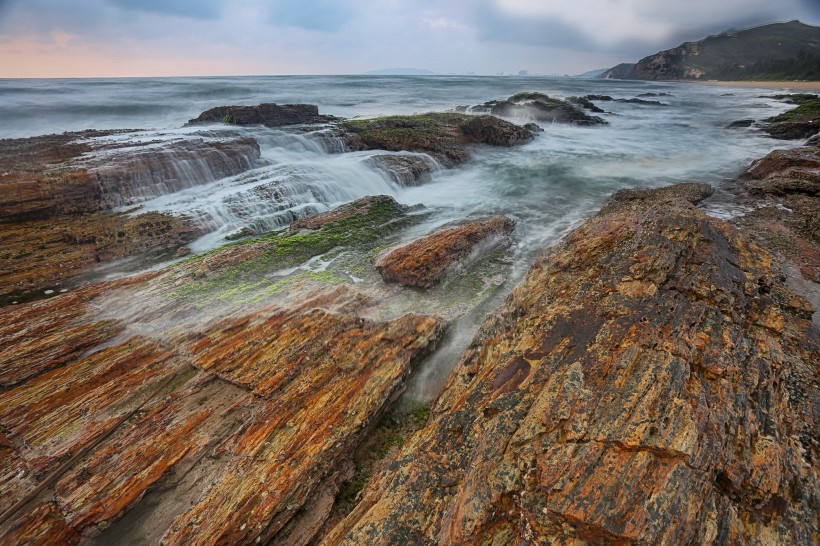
pixel 785 85
pixel 629 354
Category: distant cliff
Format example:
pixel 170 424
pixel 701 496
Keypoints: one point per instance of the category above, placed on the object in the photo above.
pixel 779 51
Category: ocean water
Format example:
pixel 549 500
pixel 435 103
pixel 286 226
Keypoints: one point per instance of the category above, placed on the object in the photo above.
pixel 548 185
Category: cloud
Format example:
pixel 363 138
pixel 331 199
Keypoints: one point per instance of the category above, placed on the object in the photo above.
pixel 320 15
pixel 195 9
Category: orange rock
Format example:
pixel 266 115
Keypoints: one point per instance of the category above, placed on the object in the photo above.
pixel 424 262
pixel 585 413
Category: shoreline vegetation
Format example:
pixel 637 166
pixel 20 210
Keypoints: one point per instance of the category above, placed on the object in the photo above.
pixel 652 379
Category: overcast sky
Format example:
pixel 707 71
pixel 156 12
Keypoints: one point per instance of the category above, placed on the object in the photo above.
pixel 86 38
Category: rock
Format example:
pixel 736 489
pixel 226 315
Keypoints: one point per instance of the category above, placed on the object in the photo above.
pixel 425 262
pixel 182 252
pixel 540 107
pixel 585 103
pixel 692 192
pixel 796 170
pixel 643 384
pixel 787 220
pixel 404 169
pixel 495 132
pixel 741 124
pixel 36 183
pixel 130 174
pixel 260 407
pixel 54 218
pixel 268 114
pixel 445 136
pixel 376 205
pixel 800 122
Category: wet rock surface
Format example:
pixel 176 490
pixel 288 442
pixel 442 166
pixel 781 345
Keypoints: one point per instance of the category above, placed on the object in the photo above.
pixel 197 419
pixel 784 190
pixel 55 222
pixel 445 136
pixel 426 261
pixel 803 121
pixel 131 174
pixel 543 108
pixel 268 114
pixel 652 380
pixel 643 384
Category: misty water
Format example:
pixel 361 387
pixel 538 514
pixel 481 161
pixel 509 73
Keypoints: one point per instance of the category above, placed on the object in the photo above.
pixel 549 185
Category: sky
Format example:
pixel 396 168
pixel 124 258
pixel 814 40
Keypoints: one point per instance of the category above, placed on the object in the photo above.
pixel 106 38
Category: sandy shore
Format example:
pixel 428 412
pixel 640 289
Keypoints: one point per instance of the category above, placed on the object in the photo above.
pixel 800 86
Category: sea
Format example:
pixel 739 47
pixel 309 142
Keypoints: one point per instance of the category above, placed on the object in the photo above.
pixel 549 186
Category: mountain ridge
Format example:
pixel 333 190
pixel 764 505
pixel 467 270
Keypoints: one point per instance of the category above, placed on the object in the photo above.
pixel 775 51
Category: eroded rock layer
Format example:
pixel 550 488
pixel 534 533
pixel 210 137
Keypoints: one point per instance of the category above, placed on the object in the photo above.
pixel 425 262
pixel 641 385
pixel 257 412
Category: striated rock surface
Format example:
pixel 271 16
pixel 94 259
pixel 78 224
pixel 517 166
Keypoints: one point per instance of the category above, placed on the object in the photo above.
pixel 244 422
pixel 445 136
pixel 651 381
pixel 268 114
pixel 55 201
pixel 130 174
pixel 404 169
pixel 785 191
pixel 426 261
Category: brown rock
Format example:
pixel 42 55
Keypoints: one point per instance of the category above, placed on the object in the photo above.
pixel 130 174
pixel 640 386
pixel 269 114
pixel 97 415
pixel 445 136
pixel 424 262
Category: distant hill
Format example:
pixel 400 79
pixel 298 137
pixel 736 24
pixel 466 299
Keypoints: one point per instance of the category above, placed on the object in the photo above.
pixel 779 51
pixel 400 72
pixel 618 72
pixel 591 73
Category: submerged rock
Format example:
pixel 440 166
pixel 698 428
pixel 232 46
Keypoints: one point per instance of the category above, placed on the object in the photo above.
pixel 268 114
pixel 425 262
pixel 642 384
pixel 404 169
pixel 692 192
pixel 540 107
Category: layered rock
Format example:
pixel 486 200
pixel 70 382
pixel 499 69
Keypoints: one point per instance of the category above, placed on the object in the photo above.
pixel 251 417
pixel 643 384
pixel 445 136
pixel 787 220
pixel 405 169
pixel 424 262
pixel 54 219
pixel 268 114
pixel 130 174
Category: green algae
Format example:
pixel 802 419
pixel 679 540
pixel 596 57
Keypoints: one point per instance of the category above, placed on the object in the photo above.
pixel 255 278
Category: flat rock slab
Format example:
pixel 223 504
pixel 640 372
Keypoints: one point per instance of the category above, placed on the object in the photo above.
pixel 424 262
pixel 261 409
pixel 652 381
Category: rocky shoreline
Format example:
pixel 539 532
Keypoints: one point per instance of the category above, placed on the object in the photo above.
pixel 654 379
